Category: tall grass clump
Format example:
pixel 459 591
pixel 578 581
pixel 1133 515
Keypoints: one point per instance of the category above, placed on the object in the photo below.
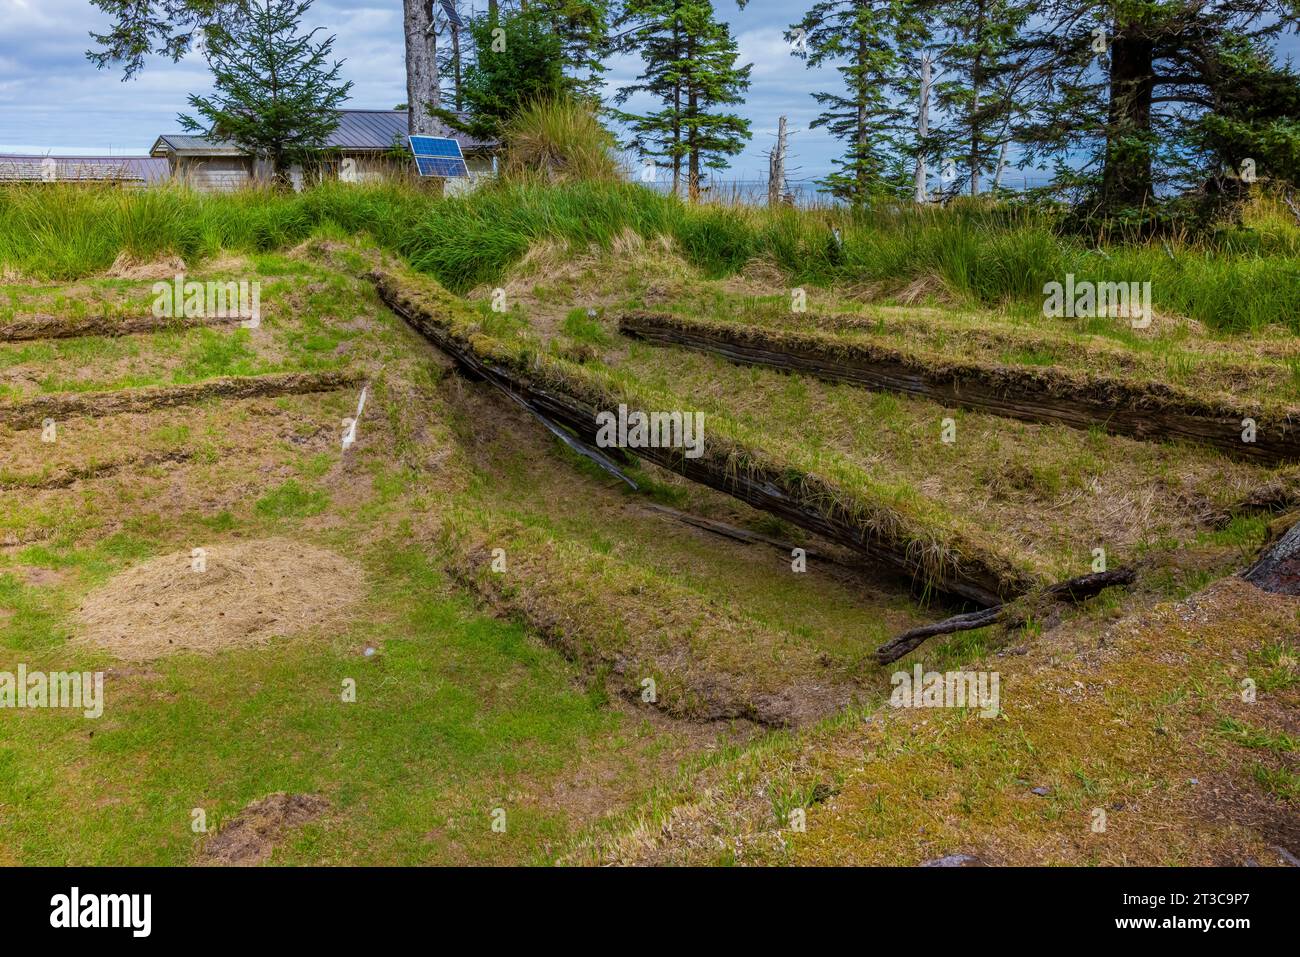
pixel 558 141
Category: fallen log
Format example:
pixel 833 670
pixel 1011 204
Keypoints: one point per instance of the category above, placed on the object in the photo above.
pixel 964 571
pixel 1148 411
pixel 31 413
pixel 1073 590
pixel 728 531
pixel 42 326
pixel 1277 569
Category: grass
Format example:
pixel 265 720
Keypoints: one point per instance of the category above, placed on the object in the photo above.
pixel 1126 735
pixel 465 708
pixel 1242 282
pixel 1249 736
pixel 490 716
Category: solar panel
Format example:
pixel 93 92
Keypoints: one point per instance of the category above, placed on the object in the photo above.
pixel 438 156
pixel 452 14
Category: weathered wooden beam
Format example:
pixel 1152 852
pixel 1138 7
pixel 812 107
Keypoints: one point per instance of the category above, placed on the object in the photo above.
pixel 43 326
pixel 1150 411
pixel 1278 568
pixel 984 580
pixel 30 413
pixel 1073 590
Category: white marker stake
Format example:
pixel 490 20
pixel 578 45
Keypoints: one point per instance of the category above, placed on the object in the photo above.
pixel 350 425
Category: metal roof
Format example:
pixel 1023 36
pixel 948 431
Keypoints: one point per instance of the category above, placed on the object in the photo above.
pixel 357 130
pixel 114 169
pixel 193 145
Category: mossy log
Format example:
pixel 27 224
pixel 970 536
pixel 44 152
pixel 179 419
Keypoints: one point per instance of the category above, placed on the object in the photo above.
pixel 43 326
pixel 30 413
pixel 1278 567
pixel 1072 590
pixel 983 579
pixel 1150 411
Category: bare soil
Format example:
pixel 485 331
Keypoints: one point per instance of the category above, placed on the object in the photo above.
pixel 249 593
pixel 251 836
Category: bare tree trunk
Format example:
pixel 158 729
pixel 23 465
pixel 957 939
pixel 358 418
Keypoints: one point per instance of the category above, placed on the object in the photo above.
pixel 976 78
pixel 677 116
pixel 693 164
pixel 860 139
pixel 692 133
pixel 923 130
pixel 455 56
pixel 776 168
pixel 421 68
pixel 1002 165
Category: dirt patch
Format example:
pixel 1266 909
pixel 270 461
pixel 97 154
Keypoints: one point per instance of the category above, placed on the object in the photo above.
pixel 39 577
pixel 251 836
pixel 246 594
pixel 127 266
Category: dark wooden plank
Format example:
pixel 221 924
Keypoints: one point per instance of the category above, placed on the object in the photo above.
pixel 1146 411
pixel 973 579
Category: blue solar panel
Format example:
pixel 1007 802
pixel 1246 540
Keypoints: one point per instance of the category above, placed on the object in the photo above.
pixel 438 156
pixel 444 166
pixel 452 14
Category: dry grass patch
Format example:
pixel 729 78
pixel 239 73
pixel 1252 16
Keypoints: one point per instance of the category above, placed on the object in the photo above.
pixel 127 266
pixel 249 593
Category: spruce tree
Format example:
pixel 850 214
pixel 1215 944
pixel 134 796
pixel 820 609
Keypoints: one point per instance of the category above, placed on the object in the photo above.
pixel 172 28
pixel 871 43
pixel 1127 94
pixel 980 79
pixel 690 67
pixel 276 91
pixel 517 59
pixel 583 29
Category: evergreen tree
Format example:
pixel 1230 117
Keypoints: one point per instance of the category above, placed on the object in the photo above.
pixel 517 60
pixel 276 92
pixel 171 28
pixel 978 94
pixel 1127 91
pixel 1254 128
pixel 583 29
pixel 690 67
pixel 870 41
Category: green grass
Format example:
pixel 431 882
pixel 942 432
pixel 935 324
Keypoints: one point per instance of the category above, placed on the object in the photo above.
pixel 1242 281
pixel 1249 736
pixel 292 500
pixel 453 714
pixel 584 328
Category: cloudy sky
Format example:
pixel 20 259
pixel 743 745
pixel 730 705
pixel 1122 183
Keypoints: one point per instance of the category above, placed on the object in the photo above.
pixel 53 100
